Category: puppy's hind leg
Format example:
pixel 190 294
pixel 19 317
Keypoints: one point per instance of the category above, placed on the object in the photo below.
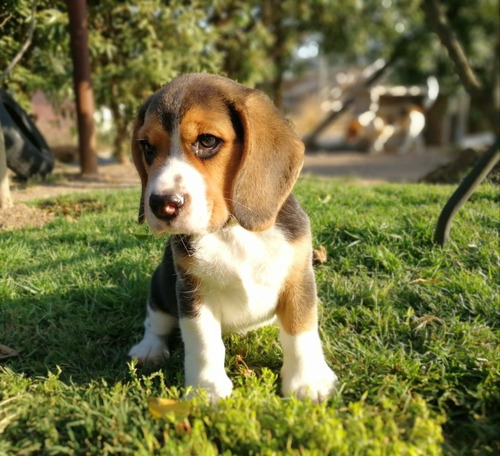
pixel 153 346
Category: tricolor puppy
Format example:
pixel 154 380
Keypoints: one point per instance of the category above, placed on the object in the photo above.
pixel 217 163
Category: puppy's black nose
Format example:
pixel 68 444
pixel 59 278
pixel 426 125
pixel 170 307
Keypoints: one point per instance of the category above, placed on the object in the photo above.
pixel 167 206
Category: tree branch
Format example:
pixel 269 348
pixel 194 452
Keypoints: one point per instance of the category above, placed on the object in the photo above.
pixel 438 21
pixel 5 20
pixel 25 46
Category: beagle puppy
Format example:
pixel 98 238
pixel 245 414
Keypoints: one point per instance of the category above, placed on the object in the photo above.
pixel 217 163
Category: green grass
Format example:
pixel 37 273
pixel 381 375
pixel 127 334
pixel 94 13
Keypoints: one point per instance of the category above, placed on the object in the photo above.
pixel 411 329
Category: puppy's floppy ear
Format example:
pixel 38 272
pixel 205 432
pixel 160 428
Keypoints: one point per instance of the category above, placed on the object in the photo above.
pixel 272 159
pixel 137 156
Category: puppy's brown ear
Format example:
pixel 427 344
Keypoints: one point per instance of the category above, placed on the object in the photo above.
pixel 137 156
pixel 272 159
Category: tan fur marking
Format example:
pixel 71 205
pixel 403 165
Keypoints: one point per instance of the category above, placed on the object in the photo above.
pixel 354 128
pixel 185 262
pixel 218 172
pixel 297 303
pixel 156 135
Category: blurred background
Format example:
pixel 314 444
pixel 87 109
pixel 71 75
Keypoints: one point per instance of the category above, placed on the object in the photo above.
pixel 360 79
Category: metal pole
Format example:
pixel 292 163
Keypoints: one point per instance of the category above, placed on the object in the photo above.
pixel 481 169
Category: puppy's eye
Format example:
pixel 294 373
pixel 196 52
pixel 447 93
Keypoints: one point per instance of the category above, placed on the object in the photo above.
pixel 208 141
pixel 148 150
pixel 206 146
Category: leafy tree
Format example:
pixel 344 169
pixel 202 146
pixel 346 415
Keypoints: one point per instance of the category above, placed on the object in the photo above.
pixel 241 39
pixel 47 63
pixel 137 48
pixel 475 57
pixel 11 56
pixel 134 50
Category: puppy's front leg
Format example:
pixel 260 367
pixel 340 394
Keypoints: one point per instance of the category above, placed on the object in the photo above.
pixel 204 354
pixel 304 372
pixel 153 346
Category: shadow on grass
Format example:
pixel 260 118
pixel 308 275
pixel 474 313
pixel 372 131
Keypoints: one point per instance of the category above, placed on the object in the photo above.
pixel 85 317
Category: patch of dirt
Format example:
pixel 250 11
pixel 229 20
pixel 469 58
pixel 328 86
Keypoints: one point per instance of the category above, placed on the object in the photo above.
pixel 375 167
pixel 64 179
pixel 22 216
pixel 454 171
pixel 71 210
pixel 67 179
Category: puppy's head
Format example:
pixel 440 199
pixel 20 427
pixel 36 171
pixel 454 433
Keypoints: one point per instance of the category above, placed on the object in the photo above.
pixel 207 150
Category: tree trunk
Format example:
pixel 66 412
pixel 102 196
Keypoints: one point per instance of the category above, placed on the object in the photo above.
pixel 277 90
pixel 437 129
pixel 5 198
pixel 273 18
pixel 120 143
pixel 486 94
pixel 77 10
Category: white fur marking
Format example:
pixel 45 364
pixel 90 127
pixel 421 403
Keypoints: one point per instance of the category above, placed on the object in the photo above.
pixel 153 346
pixel 413 138
pixel 178 176
pixel 366 118
pixel 241 274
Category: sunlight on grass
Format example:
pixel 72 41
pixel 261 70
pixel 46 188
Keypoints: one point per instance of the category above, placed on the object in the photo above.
pixel 410 328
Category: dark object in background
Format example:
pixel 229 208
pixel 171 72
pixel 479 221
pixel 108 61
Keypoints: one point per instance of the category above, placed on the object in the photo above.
pixel 454 171
pixel 28 154
pixel 478 173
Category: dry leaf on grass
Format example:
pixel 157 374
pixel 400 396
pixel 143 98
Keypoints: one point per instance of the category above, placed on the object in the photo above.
pixel 243 367
pixel 160 407
pixel 22 216
pixel 424 321
pixel 7 352
pixel 319 255
pixel 423 281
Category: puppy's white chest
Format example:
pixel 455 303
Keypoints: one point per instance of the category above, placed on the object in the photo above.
pixel 241 274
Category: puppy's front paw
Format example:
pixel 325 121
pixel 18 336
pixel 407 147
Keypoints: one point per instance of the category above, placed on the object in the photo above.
pixel 316 383
pixel 217 386
pixel 151 348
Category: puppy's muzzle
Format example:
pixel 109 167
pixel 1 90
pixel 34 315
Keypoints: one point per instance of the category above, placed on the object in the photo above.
pixel 167 206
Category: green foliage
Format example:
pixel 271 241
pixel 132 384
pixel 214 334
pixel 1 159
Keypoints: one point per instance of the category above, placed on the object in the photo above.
pixel 14 28
pixel 138 48
pixel 410 328
pixel 135 48
pixel 46 65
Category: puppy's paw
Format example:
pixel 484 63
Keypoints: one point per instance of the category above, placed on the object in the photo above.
pixel 318 384
pixel 151 349
pixel 217 386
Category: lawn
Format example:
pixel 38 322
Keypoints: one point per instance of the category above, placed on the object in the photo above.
pixel 411 329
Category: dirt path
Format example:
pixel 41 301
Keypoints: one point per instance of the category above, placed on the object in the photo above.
pixel 65 179
pixel 391 168
pixel 385 167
